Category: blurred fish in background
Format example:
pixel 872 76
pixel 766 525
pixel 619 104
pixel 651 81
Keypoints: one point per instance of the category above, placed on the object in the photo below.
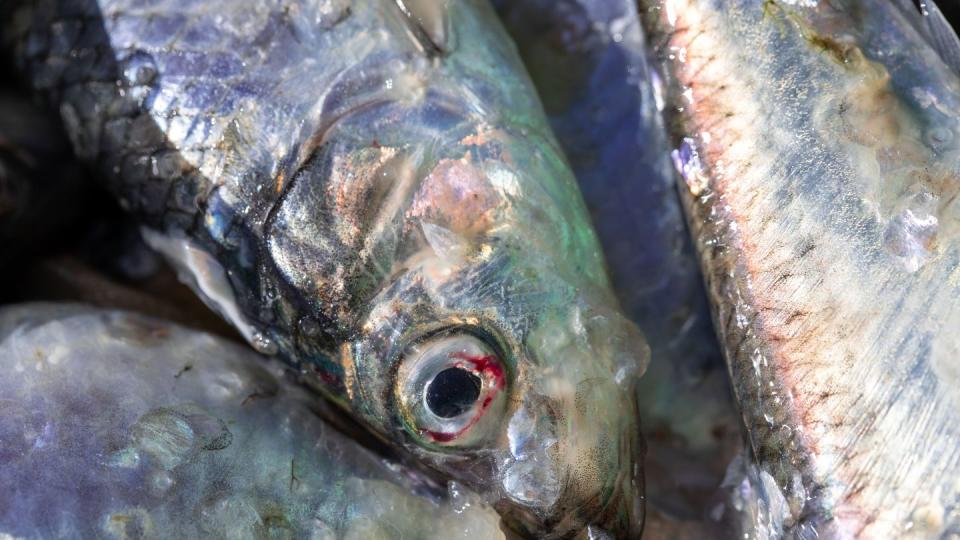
pixel 117 425
pixel 589 63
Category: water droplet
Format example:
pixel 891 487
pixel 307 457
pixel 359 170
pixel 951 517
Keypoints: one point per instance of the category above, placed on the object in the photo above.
pixel 923 97
pixel 139 69
pixel 659 98
pixel 160 482
pixel 532 482
pixel 126 458
pixel 165 436
pixel 686 159
pixel 459 499
pixel 263 344
pixel 911 238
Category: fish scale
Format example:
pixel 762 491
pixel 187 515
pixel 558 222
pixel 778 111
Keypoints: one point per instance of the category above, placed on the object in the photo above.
pixel 348 182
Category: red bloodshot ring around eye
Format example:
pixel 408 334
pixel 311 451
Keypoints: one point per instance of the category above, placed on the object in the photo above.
pixel 451 389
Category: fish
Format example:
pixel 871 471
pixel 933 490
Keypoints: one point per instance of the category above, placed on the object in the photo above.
pixel 818 151
pixel 118 425
pixel 370 190
pixel 589 62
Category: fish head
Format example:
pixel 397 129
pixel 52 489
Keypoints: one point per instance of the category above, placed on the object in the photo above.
pixel 466 314
pixel 494 357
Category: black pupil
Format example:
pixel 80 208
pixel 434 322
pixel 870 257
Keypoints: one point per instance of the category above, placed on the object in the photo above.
pixel 452 392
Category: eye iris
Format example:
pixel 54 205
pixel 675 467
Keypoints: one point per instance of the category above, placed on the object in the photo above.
pixel 452 392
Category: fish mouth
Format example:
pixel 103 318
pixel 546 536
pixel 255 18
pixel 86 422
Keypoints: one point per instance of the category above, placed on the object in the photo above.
pixel 614 510
pixel 573 463
pixel 621 517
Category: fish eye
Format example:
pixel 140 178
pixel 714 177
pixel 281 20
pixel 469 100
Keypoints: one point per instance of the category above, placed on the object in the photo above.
pixel 452 392
pixel 450 389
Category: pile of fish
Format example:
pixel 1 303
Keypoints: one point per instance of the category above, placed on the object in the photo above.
pixel 473 269
pixel 115 425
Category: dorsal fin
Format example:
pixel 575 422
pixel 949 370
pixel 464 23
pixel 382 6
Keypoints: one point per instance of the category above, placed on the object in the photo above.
pixel 428 22
pixel 930 22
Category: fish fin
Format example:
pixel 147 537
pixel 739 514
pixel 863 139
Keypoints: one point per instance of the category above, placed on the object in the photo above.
pixel 930 22
pixel 428 21
pixel 202 273
pixel 943 36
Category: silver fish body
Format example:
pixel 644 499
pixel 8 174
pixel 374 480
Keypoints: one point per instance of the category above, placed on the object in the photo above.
pixel 588 60
pixel 370 189
pixel 115 425
pixel 818 147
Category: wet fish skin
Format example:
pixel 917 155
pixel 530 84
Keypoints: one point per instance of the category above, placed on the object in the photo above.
pixel 116 425
pixel 588 60
pixel 354 191
pixel 818 146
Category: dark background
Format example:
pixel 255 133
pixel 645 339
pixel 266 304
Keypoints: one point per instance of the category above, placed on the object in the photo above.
pixel 950 9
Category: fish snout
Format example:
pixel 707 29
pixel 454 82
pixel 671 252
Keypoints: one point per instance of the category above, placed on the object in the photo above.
pixel 575 451
pixel 576 470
